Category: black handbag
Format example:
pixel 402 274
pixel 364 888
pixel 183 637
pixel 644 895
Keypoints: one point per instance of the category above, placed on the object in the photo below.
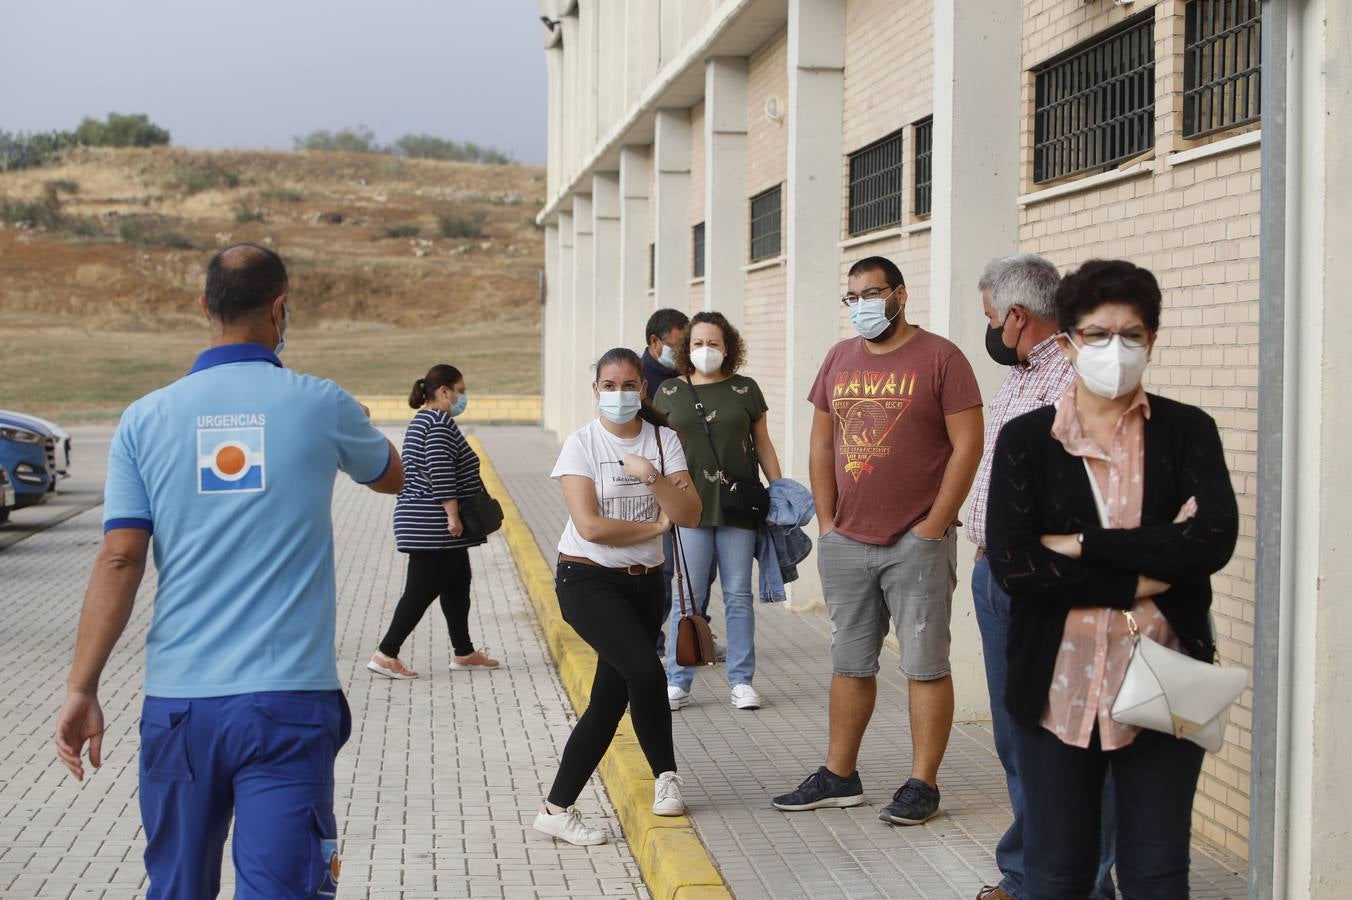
pixel 480 515
pixel 744 498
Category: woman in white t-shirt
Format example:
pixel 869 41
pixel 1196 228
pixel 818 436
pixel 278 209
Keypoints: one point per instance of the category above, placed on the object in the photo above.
pixel 625 483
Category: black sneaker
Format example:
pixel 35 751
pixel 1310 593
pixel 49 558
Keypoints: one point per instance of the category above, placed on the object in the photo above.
pixel 914 803
pixel 823 788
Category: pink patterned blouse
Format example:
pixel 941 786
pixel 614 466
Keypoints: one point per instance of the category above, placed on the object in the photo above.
pixel 1096 643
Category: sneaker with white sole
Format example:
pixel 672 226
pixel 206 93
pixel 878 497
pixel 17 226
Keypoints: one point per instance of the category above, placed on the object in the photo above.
pixel 568 826
pixel 667 795
pixel 390 667
pixel 744 696
pixel 476 660
pixel 678 697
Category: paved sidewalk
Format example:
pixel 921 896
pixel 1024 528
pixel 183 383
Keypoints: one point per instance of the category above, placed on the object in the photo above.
pixel 435 791
pixel 733 762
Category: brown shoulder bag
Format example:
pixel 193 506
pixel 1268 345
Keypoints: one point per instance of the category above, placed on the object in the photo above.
pixel 694 639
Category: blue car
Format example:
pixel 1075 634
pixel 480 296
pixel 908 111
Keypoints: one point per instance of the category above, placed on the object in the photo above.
pixel 28 454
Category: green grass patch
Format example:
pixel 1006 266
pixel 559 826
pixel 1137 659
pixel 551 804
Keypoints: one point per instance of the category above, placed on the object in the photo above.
pixel 153 231
pixel 406 230
pixel 245 216
pixel 470 226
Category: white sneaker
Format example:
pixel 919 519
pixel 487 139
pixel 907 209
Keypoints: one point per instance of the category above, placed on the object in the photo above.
pixel 567 826
pixel 676 697
pixel 667 795
pixel 744 696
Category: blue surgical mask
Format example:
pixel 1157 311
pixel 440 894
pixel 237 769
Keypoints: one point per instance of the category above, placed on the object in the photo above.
pixel 870 317
pixel 459 405
pixel 620 407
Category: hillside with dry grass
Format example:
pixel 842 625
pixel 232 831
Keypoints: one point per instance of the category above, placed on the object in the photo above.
pixel 395 264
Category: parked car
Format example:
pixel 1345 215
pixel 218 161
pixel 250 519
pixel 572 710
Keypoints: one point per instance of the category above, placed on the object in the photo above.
pixel 6 495
pixel 28 453
pixel 61 435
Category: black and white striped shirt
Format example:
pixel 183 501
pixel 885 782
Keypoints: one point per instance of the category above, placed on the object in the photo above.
pixel 438 465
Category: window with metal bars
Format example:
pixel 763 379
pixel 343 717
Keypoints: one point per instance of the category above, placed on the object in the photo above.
pixel 1096 104
pixel 652 266
pixel 697 239
pixel 876 188
pixel 765 227
pixel 924 165
pixel 1222 65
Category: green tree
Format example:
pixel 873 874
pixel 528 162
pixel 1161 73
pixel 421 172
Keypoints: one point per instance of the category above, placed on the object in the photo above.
pixel 353 140
pixel 121 131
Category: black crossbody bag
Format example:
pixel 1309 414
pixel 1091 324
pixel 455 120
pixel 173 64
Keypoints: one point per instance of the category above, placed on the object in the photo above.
pixel 744 498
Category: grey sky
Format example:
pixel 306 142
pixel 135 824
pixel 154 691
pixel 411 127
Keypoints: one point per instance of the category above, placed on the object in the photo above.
pixel 255 74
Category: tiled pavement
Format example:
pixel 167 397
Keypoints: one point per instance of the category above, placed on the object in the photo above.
pixel 435 791
pixel 734 761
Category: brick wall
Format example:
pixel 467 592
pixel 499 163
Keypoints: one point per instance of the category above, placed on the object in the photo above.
pixel 697 168
pixel 766 166
pixel 889 85
pixel 1195 225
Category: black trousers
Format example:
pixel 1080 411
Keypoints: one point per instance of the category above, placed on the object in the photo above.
pixel 433 573
pixel 619 616
pixel 1154 779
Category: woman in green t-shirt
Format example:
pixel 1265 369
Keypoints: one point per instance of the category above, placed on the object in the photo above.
pixel 736 445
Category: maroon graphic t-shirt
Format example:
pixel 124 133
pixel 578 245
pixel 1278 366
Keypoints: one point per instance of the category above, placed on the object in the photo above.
pixel 891 442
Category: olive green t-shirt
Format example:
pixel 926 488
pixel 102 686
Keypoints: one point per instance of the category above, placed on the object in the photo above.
pixel 732 405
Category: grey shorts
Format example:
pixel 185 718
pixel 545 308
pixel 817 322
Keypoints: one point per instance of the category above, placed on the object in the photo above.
pixel 910 582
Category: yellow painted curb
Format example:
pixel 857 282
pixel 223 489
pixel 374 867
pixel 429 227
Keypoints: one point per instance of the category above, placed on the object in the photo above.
pixel 674 863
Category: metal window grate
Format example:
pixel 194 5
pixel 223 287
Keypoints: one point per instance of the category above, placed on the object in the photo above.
pixel 697 263
pixel 1096 106
pixel 924 165
pixel 876 187
pixel 1222 65
pixel 765 224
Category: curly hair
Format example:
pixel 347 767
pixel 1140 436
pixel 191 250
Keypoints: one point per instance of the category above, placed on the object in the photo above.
pixel 734 351
pixel 1101 281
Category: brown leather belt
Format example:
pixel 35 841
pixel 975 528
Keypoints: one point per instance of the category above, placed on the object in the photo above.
pixel 628 570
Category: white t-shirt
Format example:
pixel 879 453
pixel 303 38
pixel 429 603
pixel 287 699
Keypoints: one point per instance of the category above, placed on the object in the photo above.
pixel 593 452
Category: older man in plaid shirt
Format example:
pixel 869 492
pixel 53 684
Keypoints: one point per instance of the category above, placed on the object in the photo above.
pixel 1018 294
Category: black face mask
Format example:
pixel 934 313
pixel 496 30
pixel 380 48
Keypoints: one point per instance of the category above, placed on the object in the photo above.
pixel 996 349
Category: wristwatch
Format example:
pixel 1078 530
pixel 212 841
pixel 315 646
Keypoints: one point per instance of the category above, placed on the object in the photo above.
pixel 651 480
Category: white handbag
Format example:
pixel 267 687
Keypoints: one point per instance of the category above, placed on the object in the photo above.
pixel 1168 691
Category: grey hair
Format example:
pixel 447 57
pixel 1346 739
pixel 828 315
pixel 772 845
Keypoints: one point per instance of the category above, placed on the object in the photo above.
pixel 991 273
pixel 1028 280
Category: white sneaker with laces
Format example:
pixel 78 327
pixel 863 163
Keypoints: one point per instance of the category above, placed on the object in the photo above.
pixel 667 795
pixel 677 697
pixel 744 696
pixel 568 826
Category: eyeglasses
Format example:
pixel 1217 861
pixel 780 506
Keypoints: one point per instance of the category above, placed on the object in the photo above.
pixel 1093 336
pixel 869 294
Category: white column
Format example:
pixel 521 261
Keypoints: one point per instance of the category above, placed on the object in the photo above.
pixel 671 155
pixel 606 260
pixel 570 128
pixel 567 372
pixel 726 220
pixel 977 83
pixel 635 181
pixel 1313 815
pixel 584 313
pixel 550 330
pixel 642 48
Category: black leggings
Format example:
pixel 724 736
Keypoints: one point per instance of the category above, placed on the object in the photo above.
pixel 619 616
pixel 433 572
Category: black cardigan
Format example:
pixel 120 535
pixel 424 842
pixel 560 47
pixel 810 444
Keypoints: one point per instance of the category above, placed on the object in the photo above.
pixel 1038 488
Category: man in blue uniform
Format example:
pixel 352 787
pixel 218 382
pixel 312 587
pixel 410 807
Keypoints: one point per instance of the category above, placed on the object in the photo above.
pixel 231 470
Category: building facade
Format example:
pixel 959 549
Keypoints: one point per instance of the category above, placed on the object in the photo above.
pixel 739 155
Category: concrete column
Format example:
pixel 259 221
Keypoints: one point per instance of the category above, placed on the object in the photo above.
pixel 566 369
pixel 606 260
pixel 1313 808
pixel 635 182
pixel 643 47
pixel 554 67
pixel 726 221
pixel 671 155
pixel 670 29
pixel 571 117
pixel 550 327
pixel 584 312
pixel 977 80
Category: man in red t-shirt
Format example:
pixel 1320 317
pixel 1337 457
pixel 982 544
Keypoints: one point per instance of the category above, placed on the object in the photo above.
pixel 896 440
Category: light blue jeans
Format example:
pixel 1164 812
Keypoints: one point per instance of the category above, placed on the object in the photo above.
pixel 735 548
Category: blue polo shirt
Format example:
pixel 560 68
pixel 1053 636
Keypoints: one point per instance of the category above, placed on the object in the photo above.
pixel 232 468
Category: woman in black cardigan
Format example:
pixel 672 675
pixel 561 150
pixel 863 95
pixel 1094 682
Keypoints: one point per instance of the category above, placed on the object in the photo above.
pixel 1161 467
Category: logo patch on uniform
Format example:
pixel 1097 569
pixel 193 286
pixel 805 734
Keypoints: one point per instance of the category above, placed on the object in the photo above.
pixel 333 868
pixel 230 461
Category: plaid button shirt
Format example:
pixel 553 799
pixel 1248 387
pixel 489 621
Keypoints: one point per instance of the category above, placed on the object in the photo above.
pixel 1028 386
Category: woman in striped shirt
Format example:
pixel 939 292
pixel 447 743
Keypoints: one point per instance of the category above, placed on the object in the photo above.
pixel 440 470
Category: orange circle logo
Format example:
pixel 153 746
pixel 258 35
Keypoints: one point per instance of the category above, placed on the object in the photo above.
pixel 230 459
